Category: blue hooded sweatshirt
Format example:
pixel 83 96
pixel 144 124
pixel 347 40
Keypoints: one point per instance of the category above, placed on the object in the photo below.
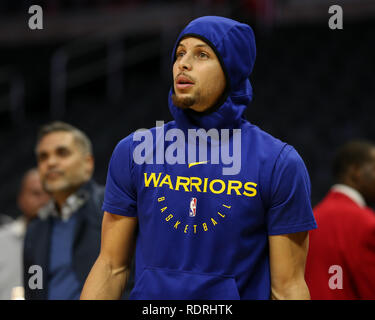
pixel 203 234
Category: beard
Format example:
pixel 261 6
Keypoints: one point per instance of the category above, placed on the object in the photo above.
pixel 64 184
pixel 56 186
pixel 184 102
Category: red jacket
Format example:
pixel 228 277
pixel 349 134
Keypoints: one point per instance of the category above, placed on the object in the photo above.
pixel 345 237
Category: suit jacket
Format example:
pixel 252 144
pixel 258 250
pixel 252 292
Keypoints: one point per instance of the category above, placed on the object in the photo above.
pixel 342 248
pixel 86 243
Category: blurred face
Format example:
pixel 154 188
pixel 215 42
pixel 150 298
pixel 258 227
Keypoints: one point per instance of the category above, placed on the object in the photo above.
pixel 63 167
pixel 199 80
pixel 366 179
pixel 32 196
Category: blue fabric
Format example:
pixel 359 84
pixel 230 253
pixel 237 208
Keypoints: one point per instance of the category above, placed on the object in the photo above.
pixel 63 283
pixel 222 252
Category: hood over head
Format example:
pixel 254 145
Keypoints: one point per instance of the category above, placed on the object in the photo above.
pixel 234 45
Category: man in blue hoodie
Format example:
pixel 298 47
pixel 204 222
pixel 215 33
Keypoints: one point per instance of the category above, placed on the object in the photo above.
pixel 201 232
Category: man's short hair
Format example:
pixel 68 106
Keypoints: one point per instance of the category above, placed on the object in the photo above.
pixel 355 153
pixel 80 137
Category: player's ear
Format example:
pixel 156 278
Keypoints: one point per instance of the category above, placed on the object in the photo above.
pixel 90 164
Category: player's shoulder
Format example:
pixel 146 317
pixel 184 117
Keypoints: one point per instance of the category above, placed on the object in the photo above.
pixel 258 134
pixel 126 141
pixel 136 137
pixel 268 143
pixel 273 149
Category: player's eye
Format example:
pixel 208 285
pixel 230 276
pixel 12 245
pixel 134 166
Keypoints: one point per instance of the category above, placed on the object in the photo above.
pixel 203 55
pixel 179 54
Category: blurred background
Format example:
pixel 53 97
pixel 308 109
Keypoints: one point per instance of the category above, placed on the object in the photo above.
pixel 104 66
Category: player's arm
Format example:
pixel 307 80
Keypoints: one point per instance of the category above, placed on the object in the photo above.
pixel 109 275
pixel 287 264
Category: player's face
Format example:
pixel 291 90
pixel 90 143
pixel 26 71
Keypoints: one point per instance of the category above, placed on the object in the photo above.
pixel 62 164
pixel 199 80
pixel 367 179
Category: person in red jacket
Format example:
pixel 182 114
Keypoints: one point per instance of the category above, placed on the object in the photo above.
pixel 341 259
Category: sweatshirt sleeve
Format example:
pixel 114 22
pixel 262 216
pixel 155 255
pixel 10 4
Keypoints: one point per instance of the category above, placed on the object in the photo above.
pixel 290 209
pixel 120 193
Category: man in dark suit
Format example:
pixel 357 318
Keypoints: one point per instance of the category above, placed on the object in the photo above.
pixel 64 241
pixel 341 258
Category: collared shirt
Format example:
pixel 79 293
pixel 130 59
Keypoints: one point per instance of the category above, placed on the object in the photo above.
pixel 62 279
pixel 351 193
pixel 71 205
pixel 63 282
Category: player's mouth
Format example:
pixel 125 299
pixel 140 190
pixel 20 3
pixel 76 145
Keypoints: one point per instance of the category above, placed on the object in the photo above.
pixel 183 82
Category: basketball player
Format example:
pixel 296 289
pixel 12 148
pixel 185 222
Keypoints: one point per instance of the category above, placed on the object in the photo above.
pixel 202 234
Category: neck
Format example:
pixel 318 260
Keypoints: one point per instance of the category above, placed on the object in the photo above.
pixel 61 196
pixel 348 182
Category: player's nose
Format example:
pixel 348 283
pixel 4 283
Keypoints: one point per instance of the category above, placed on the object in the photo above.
pixel 184 63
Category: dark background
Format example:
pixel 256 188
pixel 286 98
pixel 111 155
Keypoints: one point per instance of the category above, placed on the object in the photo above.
pixel 104 66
